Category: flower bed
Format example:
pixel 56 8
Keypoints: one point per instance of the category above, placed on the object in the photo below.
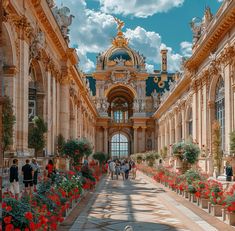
pixel 47 207
pixel 197 185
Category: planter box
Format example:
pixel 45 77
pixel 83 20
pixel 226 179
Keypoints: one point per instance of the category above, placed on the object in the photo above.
pixel 192 198
pixel 186 194
pixel 230 217
pixel 216 210
pixel 204 203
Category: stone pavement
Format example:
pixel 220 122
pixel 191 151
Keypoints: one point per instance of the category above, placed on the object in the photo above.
pixel 139 203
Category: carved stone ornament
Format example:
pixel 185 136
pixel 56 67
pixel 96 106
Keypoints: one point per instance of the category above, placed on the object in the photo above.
pixel 63 18
pixel 37 45
pixel 120 77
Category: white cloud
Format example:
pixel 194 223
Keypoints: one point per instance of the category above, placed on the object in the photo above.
pixel 150 44
pixel 93 31
pixel 85 63
pixel 186 48
pixel 138 8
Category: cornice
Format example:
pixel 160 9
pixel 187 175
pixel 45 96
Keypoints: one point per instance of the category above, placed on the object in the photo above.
pixel 208 42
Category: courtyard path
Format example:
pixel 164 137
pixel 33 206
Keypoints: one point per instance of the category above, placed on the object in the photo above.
pixel 139 203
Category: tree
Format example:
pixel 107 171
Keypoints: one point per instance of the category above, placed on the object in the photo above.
pixel 232 142
pixel 216 146
pixel 60 144
pixel 8 120
pixel 100 156
pixel 36 135
pixel 76 149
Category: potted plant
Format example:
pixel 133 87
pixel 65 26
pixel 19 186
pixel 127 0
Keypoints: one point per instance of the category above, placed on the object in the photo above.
pixel 100 157
pixel 36 135
pixel 216 198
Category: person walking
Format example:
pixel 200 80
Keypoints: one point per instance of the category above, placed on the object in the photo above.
pixel 127 169
pixel 27 172
pixel 36 171
pixel 133 169
pixel 14 179
pixel 228 171
pixel 50 168
pixel 112 167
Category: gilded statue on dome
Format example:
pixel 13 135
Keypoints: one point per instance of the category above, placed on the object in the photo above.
pixel 120 24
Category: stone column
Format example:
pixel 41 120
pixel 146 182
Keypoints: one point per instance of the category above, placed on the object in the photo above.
pixel 176 129
pixel 143 148
pixel 49 112
pixel 194 114
pixel 228 107
pixel 105 140
pixel 204 118
pixel 135 139
pixel 64 110
pixel 54 114
pixel 199 111
pixel 22 84
pixel 183 124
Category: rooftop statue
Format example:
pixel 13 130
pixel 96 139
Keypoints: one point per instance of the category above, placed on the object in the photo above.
pixel 120 24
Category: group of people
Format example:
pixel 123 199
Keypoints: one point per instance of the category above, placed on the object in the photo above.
pixel 121 167
pixel 30 172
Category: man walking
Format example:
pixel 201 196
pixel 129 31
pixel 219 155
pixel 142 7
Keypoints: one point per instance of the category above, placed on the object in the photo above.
pixel 36 170
pixel 27 171
pixel 14 179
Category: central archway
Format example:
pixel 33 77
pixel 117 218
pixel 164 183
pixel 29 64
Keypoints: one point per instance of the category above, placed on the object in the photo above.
pixel 119 146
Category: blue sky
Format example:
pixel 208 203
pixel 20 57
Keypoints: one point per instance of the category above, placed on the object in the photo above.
pixel 149 24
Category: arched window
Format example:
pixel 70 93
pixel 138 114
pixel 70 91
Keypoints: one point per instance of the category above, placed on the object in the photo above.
pixel 119 146
pixel 119 110
pixel 32 95
pixel 219 108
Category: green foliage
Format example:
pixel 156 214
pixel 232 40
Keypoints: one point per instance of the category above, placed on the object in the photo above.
pixel 60 144
pixel 192 175
pixel 139 159
pixel 36 135
pixel 216 146
pixel 150 158
pixel 76 149
pixel 186 151
pixel 8 120
pixel 19 208
pixel 191 189
pixel 232 142
pixel 100 156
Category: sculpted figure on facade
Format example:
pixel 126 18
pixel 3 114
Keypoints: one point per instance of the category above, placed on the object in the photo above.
pixel 63 19
pixel 156 99
pixel 196 27
pixel 37 44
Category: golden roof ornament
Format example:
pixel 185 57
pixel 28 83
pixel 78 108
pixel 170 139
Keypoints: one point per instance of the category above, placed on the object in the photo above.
pixel 119 40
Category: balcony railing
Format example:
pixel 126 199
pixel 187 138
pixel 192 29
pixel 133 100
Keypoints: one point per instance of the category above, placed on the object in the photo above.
pixel 123 122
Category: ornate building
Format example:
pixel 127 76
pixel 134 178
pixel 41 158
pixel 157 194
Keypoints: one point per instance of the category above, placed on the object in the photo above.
pixel 120 107
pixel 205 92
pixel 41 76
pixel 126 96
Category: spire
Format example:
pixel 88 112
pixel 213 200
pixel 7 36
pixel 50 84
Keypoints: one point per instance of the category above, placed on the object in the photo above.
pixel 119 40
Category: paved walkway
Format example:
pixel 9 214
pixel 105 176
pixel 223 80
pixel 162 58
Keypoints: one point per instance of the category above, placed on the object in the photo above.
pixel 139 203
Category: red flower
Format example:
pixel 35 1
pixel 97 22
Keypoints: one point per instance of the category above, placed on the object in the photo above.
pixel 28 216
pixel 26 229
pixel 7 220
pixel 8 208
pixel 9 227
pixel 17 229
pixel 32 226
pixel 53 226
pixel 4 204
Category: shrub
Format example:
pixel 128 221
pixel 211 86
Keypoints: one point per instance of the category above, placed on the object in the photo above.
pixel 36 135
pixel 8 120
pixel 100 156
pixel 139 159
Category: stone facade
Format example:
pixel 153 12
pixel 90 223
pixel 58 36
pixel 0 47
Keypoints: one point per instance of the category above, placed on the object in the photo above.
pixel 120 107
pixel 41 75
pixel 192 105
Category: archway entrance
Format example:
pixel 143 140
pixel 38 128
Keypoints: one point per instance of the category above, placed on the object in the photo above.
pixel 119 146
